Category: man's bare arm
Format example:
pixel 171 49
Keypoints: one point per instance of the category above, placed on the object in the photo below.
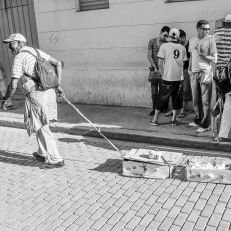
pixel 151 59
pixel 161 66
pixel 11 88
pixel 210 58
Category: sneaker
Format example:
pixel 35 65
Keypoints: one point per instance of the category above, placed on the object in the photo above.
pixel 152 113
pixel 201 130
pixel 154 123
pixel 49 166
pixel 39 157
pixel 217 140
pixel 9 107
pixel 193 124
pixel 174 123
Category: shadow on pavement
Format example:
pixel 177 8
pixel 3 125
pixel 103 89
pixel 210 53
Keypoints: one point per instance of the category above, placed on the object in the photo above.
pixel 110 165
pixel 18 159
pixel 105 145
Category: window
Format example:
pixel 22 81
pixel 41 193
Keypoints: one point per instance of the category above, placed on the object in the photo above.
pixel 84 5
pixel 180 0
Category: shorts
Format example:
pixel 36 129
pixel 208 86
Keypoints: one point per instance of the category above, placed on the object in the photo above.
pixel 167 89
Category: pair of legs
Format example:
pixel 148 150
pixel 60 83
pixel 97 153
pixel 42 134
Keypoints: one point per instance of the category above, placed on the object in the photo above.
pixel 187 94
pixel 201 93
pixel 47 146
pixel 225 119
pixel 168 89
pixel 155 87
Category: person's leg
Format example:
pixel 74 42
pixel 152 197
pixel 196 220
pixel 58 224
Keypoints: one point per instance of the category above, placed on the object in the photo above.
pixel 163 97
pixel 195 96
pixel 174 115
pixel 182 111
pixel 49 145
pixel 187 92
pixel 226 118
pixel 41 143
pixel 156 116
pixel 154 91
pixel 206 101
pixel 177 99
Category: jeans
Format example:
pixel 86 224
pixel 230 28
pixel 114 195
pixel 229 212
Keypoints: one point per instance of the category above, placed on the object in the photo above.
pixel 201 93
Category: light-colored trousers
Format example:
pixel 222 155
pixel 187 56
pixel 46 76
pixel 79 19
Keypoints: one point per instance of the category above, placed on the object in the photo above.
pixel 51 104
pixel 226 118
pixel 47 145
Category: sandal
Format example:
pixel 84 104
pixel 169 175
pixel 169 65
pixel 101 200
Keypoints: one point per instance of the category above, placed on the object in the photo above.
pixel 154 123
pixel 182 115
pixel 217 140
pixel 169 114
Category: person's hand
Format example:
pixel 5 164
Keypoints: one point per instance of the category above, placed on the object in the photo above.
pixel 60 91
pixel 190 72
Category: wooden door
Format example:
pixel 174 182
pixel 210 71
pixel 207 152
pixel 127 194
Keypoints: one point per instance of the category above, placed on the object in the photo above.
pixel 16 16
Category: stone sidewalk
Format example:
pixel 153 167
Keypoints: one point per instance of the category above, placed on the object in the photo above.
pixel 122 123
pixel 90 193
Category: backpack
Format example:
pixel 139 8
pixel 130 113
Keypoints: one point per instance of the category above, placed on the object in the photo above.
pixel 47 77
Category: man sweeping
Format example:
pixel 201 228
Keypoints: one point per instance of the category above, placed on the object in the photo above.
pixel 36 112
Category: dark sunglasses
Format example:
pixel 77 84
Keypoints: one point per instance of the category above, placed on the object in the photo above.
pixel 205 29
pixel 165 36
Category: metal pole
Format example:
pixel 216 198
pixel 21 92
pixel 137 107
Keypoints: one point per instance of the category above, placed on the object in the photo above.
pixel 98 129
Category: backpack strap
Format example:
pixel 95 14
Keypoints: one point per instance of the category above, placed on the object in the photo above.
pixel 37 52
pixel 29 53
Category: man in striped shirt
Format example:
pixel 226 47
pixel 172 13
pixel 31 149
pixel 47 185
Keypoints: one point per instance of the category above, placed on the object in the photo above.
pixel 223 42
pixel 36 113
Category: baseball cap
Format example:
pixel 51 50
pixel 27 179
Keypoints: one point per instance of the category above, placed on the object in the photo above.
pixel 174 33
pixel 15 37
pixel 228 18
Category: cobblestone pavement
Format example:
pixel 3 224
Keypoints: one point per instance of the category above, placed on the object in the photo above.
pixel 90 192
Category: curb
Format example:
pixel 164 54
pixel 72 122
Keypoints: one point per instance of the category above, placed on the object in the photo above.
pixel 157 138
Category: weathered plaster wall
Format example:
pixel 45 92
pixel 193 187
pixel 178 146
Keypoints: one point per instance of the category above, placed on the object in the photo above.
pixel 105 51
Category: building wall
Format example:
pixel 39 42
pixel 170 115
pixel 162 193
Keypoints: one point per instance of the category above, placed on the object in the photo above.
pixel 105 51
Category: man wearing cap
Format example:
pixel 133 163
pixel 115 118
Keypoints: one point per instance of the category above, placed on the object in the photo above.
pixel 171 56
pixel 36 112
pixel 203 51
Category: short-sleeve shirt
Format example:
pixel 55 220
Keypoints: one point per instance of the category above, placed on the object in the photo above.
pixel 25 62
pixel 207 47
pixel 174 55
pixel 223 42
pixel 154 47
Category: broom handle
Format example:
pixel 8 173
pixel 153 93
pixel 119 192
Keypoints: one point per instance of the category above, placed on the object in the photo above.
pixel 98 130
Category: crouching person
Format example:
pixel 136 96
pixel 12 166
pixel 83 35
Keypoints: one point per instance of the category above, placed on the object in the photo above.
pixel 36 113
pixel 171 60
